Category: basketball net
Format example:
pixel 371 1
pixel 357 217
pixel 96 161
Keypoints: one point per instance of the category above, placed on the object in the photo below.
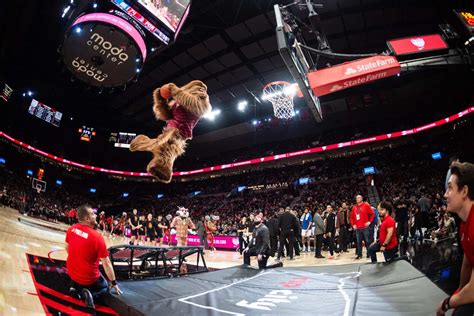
pixel 280 94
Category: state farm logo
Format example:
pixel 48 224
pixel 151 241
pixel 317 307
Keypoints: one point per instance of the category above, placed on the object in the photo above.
pixel 106 49
pixel 336 87
pixel 418 42
pixel 372 65
pixel 350 71
pixel 90 70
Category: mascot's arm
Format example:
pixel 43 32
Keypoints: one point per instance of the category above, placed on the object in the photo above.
pixel 160 107
pixel 196 103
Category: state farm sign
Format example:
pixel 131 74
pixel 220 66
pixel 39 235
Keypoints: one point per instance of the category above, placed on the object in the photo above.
pixel 347 75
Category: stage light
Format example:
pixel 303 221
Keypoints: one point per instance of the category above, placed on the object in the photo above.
pixel 137 70
pixel 212 115
pixel 159 196
pixel 242 105
pixel 297 112
pixel 254 122
pixel 137 60
pixel 24 94
pixel 78 30
pixel 94 5
pixel 125 194
pixel 92 190
pixel 30 93
pixel 59 182
pixel 65 11
pixel 152 49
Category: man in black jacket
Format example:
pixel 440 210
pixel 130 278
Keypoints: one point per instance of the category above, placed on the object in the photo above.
pixel 330 231
pixel 287 226
pixel 272 225
pixel 259 244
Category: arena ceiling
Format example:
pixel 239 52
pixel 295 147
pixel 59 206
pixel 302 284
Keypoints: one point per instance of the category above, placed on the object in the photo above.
pixel 230 45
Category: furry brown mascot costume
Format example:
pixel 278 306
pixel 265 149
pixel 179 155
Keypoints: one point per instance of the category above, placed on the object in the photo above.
pixel 181 108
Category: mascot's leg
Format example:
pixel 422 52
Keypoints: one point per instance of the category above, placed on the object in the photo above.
pixel 164 155
pixel 144 143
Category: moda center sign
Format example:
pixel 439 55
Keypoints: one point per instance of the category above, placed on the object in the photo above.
pixel 103 50
pixel 351 74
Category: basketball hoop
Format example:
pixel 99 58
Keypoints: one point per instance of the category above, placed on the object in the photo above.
pixel 280 94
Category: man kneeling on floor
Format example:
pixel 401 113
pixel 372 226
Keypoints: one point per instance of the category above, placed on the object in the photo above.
pixel 259 244
pixel 387 243
pixel 85 247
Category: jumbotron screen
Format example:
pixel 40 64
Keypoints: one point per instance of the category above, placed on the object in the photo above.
pixel 45 113
pixel 170 12
pixel 123 140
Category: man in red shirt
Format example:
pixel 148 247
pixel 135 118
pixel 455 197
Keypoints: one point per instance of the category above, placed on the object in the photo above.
pixel 85 248
pixel 361 217
pixel 460 200
pixel 387 243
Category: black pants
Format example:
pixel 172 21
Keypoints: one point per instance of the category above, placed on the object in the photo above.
pixel 297 247
pixel 203 241
pixel 284 236
pixel 319 244
pixel 97 289
pixel 273 245
pixel 262 264
pixel 402 229
pixel 362 234
pixel 388 254
pixel 343 237
pixel 331 244
pixel 462 310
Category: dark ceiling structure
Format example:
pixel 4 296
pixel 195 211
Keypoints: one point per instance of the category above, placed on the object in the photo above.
pixel 229 44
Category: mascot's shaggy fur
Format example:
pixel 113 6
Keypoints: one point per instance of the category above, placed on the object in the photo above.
pixel 181 108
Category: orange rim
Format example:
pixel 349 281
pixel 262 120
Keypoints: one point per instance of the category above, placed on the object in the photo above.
pixel 275 83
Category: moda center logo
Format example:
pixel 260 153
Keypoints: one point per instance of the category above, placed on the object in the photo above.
pixel 107 49
pixel 90 70
pixel 101 49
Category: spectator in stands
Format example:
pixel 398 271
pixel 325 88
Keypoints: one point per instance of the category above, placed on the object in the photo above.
pixel 388 242
pixel 85 247
pixel 460 200
pixel 361 217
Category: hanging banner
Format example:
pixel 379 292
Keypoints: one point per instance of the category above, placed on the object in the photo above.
pixel 351 74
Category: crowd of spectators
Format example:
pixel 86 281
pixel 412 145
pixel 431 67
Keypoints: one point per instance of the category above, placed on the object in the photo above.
pixel 405 171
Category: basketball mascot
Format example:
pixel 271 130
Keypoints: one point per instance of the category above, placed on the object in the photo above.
pixel 181 108
pixel 182 223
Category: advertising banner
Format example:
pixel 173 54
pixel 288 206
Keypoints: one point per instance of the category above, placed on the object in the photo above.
pixel 351 74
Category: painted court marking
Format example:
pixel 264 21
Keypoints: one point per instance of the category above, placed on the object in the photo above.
pixel 340 287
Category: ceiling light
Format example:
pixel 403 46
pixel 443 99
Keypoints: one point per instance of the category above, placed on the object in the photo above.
pixel 242 105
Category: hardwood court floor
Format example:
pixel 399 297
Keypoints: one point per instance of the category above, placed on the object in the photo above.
pixel 17 291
